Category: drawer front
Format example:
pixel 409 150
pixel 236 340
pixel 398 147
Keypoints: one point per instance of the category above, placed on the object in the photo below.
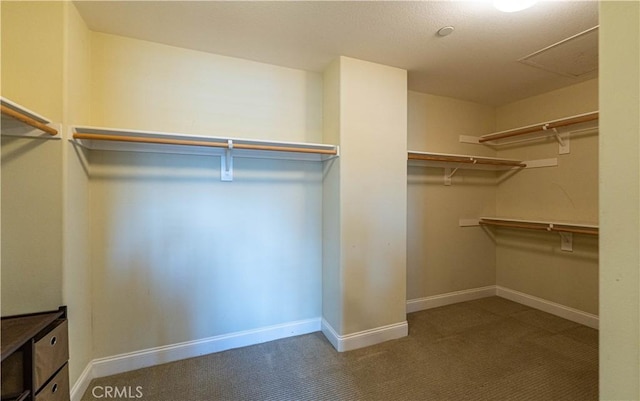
pixel 57 389
pixel 51 352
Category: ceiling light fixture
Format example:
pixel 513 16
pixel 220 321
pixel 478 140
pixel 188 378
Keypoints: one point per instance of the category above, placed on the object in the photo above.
pixel 509 6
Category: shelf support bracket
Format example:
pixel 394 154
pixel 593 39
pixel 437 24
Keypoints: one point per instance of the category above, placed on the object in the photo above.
pixel 566 241
pixel 448 173
pixel 226 163
pixel 558 137
pixel 562 138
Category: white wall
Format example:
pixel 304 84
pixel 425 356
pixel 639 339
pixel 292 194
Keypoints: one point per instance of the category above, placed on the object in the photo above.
pixel 441 256
pixel 32 169
pixel 76 283
pixel 373 132
pixel 532 262
pixel 32 52
pixel 142 85
pixel 619 206
pixel 45 226
pixel 332 289
pixel 177 254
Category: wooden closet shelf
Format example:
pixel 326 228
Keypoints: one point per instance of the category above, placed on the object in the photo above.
pixel 545 126
pixel 442 159
pixel 189 142
pixel 15 116
pixel 142 141
pixel 541 225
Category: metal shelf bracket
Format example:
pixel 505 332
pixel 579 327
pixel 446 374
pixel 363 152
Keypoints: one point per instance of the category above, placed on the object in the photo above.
pixel 226 163
pixel 566 241
pixel 448 173
pixel 562 138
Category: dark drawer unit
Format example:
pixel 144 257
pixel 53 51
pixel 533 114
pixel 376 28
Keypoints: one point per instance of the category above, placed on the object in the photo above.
pixel 35 350
pixel 51 352
pixel 57 389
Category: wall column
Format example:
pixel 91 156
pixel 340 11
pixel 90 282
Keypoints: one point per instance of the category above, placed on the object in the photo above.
pixel 619 194
pixel 365 204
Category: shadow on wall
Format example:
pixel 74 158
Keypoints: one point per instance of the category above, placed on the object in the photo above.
pixel 31 225
pixel 21 146
pixel 419 175
pixel 191 257
pixel 585 247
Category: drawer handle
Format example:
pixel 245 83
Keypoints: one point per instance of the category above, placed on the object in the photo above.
pixel 54 388
pixel 54 340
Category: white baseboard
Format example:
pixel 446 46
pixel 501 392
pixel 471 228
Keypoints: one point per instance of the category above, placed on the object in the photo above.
pixel 562 311
pixel 435 301
pixel 155 356
pixel 575 315
pixel 82 384
pixel 364 338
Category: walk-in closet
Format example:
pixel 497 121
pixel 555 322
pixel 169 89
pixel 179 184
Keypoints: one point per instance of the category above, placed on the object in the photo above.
pixel 319 200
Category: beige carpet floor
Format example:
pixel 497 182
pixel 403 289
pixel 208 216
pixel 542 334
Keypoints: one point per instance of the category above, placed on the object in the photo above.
pixel 487 349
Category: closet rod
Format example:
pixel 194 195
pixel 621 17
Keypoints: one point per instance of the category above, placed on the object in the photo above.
pixel 541 226
pixel 28 120
pixel 189 142
pixel 468 160
pixel 583 118
pixel 588 231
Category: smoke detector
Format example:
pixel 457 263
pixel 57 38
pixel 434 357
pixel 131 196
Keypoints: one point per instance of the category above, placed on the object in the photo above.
pixel 444 31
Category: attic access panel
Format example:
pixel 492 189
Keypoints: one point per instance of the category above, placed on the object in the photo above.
pixel 575 57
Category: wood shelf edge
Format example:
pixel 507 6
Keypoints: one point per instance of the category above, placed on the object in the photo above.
pixel 176 139
pixel 26 116
pixel 548 125
pixel 540 225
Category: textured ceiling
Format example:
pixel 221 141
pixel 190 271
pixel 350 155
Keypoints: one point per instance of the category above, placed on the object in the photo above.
pixel 477 62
